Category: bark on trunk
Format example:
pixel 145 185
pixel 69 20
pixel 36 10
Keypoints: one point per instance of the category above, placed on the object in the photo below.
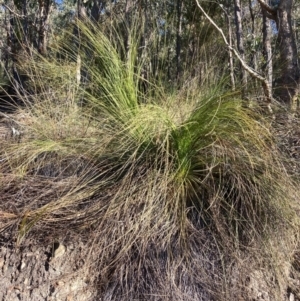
pixel 240 41
pixel 230 55
pixel 253 54
pixel 267 50
pixel 25 24
pixel 287 88
pixel 129 5
pixel 288 83
pixel 178 38
pixel 44 11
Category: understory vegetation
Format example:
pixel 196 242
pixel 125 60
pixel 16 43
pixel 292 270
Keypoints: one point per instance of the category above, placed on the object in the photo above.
pixel 183 193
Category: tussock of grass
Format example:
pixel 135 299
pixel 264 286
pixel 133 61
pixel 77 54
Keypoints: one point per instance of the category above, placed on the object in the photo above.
pixel 174 191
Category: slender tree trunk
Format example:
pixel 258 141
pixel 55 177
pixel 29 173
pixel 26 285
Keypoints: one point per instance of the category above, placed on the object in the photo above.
pixel 288 83
pixel 253 55
pixel 178 38
pixel 44 12
pixel 267 50
pixel 81 72
pixel 13 48
pixel 145 56
pixel 81 11
pixel 169 65
pixel 231 62
pixel 127 25
pixel 25 24
pixel 240 41
pixel 9 46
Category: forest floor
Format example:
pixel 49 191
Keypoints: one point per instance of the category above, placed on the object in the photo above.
pixel 40 272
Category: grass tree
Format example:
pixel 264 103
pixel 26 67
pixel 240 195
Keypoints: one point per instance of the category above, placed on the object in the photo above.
pixel 179 189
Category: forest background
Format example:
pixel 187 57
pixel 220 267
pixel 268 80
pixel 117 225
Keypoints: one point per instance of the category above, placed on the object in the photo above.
pixel 175 38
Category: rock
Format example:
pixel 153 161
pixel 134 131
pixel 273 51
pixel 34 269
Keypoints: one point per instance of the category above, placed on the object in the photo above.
pixel 23 265
pixel 60 251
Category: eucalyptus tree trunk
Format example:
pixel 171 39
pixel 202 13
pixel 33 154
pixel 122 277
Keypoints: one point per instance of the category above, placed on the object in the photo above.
pixel 145 56
pixel 267 49
pixel 240 41
pixel 287 89
pixel 230 54
pixel 290 74
pixel 129 5
pixel 8 50
pixel 12 46
pixel 25 24
pixel 44 15
pixel 81 10
pixel 253 54
pixel 178 38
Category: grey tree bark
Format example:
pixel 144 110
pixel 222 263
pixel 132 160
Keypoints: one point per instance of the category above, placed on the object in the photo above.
pixel 44 15
pixel 253 54
pixel 288 82
pixel 267 50
pixel 240 41
pixel 230 55
pixel 179 5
